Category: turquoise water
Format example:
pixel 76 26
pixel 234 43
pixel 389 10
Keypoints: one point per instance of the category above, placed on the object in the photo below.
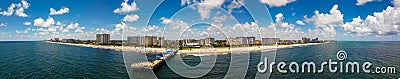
pixel 382 54
pixel 40 60
pixel 46 60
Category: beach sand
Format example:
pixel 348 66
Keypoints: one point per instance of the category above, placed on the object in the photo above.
pixel 192 51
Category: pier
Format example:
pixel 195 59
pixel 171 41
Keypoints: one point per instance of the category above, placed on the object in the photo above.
pixel 157 63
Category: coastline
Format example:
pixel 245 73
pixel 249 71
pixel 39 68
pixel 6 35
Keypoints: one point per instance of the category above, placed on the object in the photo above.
pixel 241 49
pixel 192 51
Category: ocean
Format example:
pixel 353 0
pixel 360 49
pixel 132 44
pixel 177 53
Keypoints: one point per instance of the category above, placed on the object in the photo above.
pixel 36 59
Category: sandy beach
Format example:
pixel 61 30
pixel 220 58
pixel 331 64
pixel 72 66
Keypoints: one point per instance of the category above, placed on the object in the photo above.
pixel 239 49
pixel 191 51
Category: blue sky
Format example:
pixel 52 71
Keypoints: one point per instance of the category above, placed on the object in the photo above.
pixel 290 19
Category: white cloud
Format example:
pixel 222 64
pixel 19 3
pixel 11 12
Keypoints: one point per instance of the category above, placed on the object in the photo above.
pixel 131 18
pixel 362 2
pixel 125 7
pixel 396 3
pixel 334 17
pixel 205 6
pixel 19 12
pixel 384 23
pixel 25 4
pixel 279 21
pixel 165 20
pixel 276 3
pixel 300 22
pixel 326 22
pixel 44 23
pixel 27 23
pixel 24 31
pixel 80 30
pixel 73 26
pixel 3 24
pixel 59 12
pixel 9 11
pixel 120 26
pixel 235 4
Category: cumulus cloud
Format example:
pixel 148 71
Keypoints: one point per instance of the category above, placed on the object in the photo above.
pixel 205 6
pixel 165 20
pixel 385 23
pixel 59 12
pixel 73 26
pixel 276 3
pixel 19 12
pixel 44 23
pixel 279 17
pixel 27 23
pixel 23 31
pixel 70 27
pixel 126 8
pixel 362 2
pixel 9 11
pixel 80 30
pixel 3 24
pixel 235 4
pixel 396 3
pixel 120 26
pixel 334 17
pixel 300 22
pixel 326 21
pixel 131 18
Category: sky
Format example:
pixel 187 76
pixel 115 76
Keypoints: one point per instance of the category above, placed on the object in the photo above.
pixel 347 20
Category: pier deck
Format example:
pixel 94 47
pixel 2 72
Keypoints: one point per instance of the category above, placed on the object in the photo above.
pixel 156 64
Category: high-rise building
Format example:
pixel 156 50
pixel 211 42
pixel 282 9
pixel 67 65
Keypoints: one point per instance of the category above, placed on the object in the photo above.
pixel 230 41
pixel 251 40
pixel 160 41
pixel 136 40
pixel 56 39
pixel 241 40
pixel 148 41
pixel 103 38
pixel 305 40
pixel 202 41
pixel 270 40
pixel 209 41
pixel 314 40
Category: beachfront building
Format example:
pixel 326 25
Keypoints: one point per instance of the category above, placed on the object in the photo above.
pixel 147 41
pixel 56 39
pixel 201 41
pixel 160 41
pixel 230 41
pixel 270 40
pixel 68 40
pixel 220 43
pixel 209 41
pixel 103 38
pixel 314 40
pixel 305 40
pixel 190 43
pixel 240 40
pixel 135 40
pixel 251 40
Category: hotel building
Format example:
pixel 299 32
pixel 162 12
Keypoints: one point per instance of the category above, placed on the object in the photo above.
pixel 103 38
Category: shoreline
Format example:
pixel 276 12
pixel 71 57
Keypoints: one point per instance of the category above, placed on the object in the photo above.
pixel 224 50
pixel 241 49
